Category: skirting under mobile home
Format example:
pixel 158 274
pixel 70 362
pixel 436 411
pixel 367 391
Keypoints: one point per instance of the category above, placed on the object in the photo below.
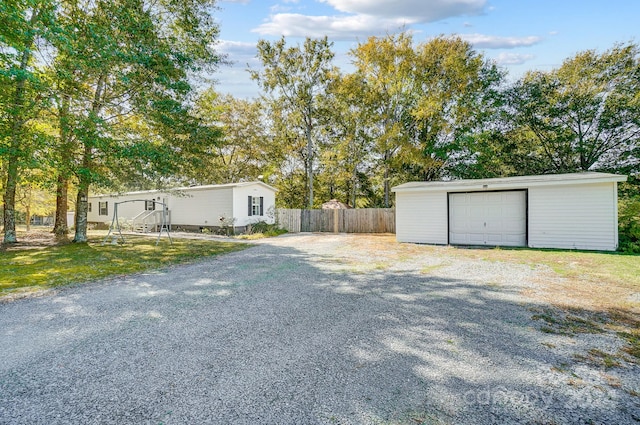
pixel 567 211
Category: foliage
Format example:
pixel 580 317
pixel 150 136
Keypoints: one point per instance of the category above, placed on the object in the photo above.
pixel 422 104
pixel 297 78
pixel 26 30
pixel 629 224
pixel 582 116
pixel 119 77
pixel 244 151
pixel 264 229
pixel 65 264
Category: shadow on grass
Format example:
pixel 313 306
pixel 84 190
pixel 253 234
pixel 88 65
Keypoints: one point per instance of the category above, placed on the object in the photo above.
pixel 69 263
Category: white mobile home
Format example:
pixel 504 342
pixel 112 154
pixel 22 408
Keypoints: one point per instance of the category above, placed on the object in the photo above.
pixel 568 211
pixel 211 206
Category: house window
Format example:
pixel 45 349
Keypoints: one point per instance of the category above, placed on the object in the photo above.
pixel 149 205
pixel 103 208
pixel 256 206
pixel 89 207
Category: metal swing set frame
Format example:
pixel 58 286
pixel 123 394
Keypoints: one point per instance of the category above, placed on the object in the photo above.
pixel 115 222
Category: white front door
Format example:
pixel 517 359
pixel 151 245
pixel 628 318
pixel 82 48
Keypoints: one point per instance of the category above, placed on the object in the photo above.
pixel 488 218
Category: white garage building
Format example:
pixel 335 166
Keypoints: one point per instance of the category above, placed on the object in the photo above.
pixel 569 211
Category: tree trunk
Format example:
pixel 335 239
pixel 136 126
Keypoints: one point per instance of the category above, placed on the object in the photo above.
pixel 60 228
pixel 28 216
pixel 310 165
pixel 10 201
pixel 84 180
pixel 354 189
pixel 17 128
pixel 386 180
pixel 13 157
pixel 81 212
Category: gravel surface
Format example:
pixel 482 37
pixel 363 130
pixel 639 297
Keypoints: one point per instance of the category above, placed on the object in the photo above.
pixel 305 329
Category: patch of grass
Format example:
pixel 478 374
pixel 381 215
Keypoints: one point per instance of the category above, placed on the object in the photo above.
pixel 573 321
pixel 270 233
pixel 599 358
pixel 64 264
pixel 565 323
pixel 633 343
pixel 430 269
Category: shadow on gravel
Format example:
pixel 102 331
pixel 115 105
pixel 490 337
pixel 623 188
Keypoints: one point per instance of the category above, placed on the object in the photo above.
pixel 276 335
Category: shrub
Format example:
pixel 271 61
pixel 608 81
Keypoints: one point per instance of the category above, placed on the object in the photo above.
pixel 629 224
pixel 265 228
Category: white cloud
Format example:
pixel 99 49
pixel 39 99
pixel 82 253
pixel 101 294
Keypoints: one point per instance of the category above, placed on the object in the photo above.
pixel 512 58
pixel 366 17
pixel 415 10
pixel 335 27
pixel 241 47
pixel 483 41
pixel 239 53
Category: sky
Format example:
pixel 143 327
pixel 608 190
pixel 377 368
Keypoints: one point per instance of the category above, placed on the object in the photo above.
pixel 520 35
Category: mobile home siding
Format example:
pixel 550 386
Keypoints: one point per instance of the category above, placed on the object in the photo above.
pixel 240 209
pixel 125 211
pixel 422 217
pixel 574 217
pixel 201 207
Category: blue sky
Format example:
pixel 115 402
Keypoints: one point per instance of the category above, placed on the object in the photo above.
pixel 520 35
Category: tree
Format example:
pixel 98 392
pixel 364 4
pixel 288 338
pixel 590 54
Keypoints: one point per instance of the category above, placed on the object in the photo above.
pixel 424 104
pixel 582 116
pixel 297 78
pixel 457 95
pixel 125 59
pixel 386 68
pixel 243 152
pixel 345 159
pixel 25 27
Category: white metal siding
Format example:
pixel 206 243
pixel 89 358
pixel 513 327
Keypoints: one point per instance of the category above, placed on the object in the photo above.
pixel 125 211
pixel 201 207
pixel 488 218
pixel 241 207
pixel 574 217
pixel 421 217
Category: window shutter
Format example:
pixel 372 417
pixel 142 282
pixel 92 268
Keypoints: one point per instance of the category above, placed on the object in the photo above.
pixel 261 206
pixel 250 205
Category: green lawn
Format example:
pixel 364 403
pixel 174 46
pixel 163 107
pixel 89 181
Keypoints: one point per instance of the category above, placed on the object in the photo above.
pixel 30 269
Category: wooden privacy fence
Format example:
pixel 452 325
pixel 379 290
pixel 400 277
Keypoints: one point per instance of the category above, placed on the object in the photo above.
pixel 359 220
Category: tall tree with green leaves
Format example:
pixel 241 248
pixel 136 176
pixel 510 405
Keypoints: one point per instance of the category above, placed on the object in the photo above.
pixel 244 151
pixel 583 116
pixel 457 96
pixel 127 58
pixel 25 29
pixel 385 66
pixel 345 162
pixel 296 78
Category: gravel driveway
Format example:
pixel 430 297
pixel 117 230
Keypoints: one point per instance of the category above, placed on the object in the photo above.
pixel 303 329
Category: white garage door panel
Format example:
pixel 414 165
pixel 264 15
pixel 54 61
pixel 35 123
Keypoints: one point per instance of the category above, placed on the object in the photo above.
pixel 493 218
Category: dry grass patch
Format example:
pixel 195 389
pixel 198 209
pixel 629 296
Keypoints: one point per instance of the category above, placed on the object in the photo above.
pixel 591 292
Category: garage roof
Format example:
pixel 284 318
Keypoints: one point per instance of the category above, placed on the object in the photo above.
pixel 504 183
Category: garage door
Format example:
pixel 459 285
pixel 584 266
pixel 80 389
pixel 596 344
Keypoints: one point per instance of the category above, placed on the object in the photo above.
pixel 488 218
